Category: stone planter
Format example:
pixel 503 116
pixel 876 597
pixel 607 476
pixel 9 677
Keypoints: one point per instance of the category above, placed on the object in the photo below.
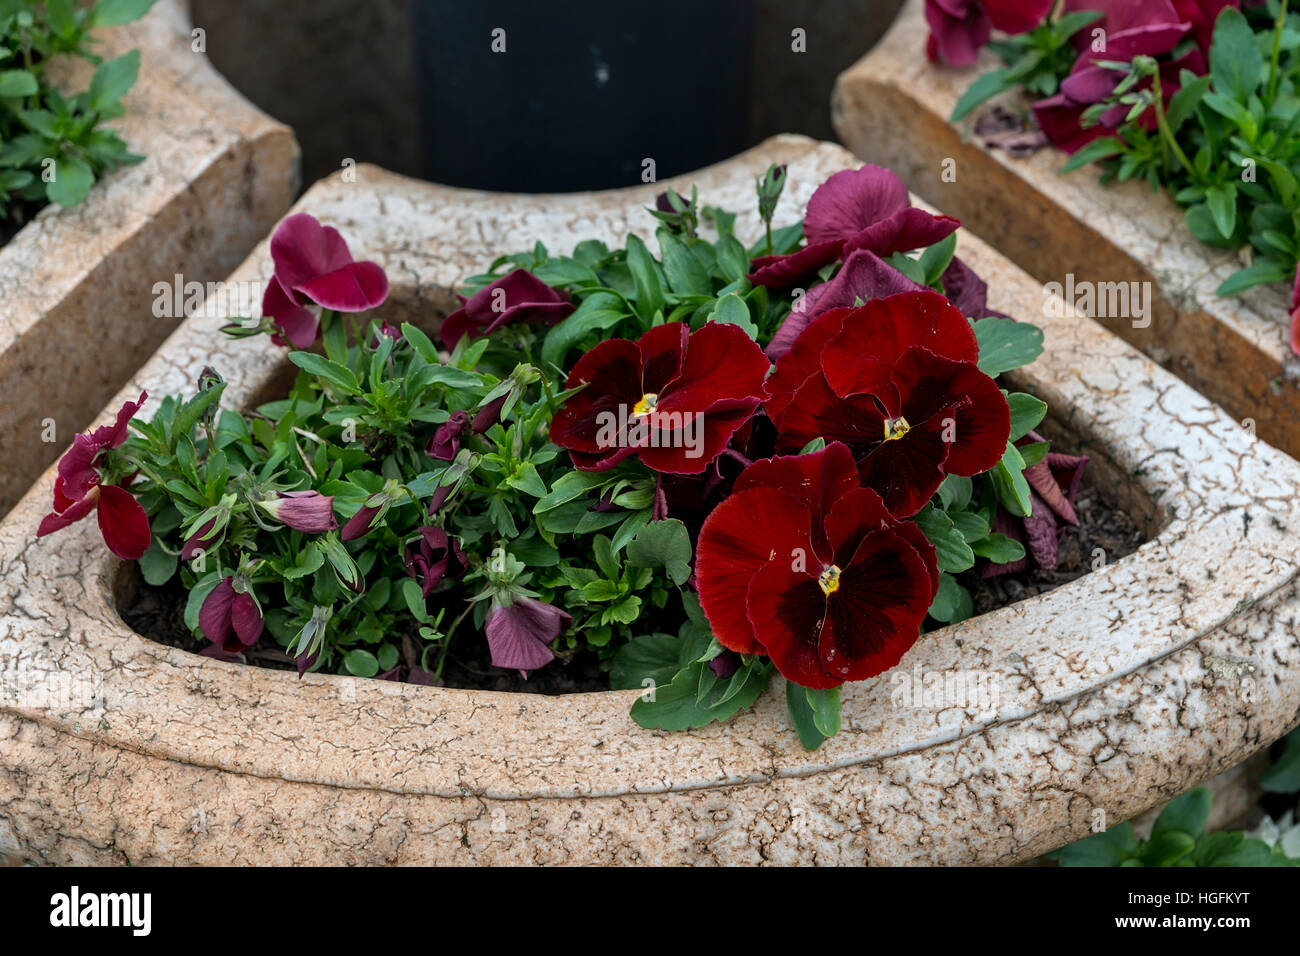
pixel 78 284
pixel 892 108
pixel 1114 693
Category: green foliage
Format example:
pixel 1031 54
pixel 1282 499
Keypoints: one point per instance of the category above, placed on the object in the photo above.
pixel 53 146
pixel 1178 838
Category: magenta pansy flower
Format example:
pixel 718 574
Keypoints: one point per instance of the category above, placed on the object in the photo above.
pixel 314 266
pixel 960 28
pixel 520 634
pixel 230 619
pixel 518 296
pixel 78 490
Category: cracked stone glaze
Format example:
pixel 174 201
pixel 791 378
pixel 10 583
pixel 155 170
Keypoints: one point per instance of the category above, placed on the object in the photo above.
pixel 76 285
pixel 115 749
pixel 892 108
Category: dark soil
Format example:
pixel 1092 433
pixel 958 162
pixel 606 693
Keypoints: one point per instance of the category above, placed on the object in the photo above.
pixel 159 613
pixel 1101 525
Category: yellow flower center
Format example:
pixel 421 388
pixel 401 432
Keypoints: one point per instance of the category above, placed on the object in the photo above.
pixel 646 405
pixel 896 428
pixel 829 580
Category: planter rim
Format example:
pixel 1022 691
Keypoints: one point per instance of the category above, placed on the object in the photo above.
pixel 1048 653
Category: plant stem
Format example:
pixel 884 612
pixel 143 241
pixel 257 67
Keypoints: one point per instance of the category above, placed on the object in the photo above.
pixel 1166 133
pixel 1277 51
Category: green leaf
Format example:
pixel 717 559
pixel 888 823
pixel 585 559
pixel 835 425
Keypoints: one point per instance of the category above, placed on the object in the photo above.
pixel 17 83
pixel 71 183
pixel 651 657
pixel 114 13
pixel 157 565
pixel 1108 848
pixel 1009 480
pixel 732 308
pixel 645 277
pixel 1026 413
pixel 952 602
pixel 198 594
pixel 598 312
pixel 951 550
pixel 1202 225
pixel 802 716
pixel 678 706
pixel 322 368
pixel 1167 848
pixel 1261 273
pixel 361 663
pixel 1222 203
pixel 665 544
pixel 998 548
pixel 113 79
pixel 1006 344
pixel 936 258
pixel 1284 776
pixel 570 485
pixel 1236 63
pixel 987 86
pixel 685 274
pixel 1187 814
pixel 1095 151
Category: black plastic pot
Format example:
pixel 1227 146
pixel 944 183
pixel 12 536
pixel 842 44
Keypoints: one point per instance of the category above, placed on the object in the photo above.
pixel 527 96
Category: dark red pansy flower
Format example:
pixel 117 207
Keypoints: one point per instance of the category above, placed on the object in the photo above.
pixel 428 557
pixel 802 564
pixel 863 277
pixel 78 491
pixel 866 208
pixel 446 440
pixel 230 619
pixel 959 28
pixel 313 265
pixel 673 397
pixel 521 633
pixel 896 381
pixel 518 296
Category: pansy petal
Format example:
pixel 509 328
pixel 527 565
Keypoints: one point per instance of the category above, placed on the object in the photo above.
pixel 354 288
pixel 782 272
pixel 982 420
pixel 73 513
pixel 852 200
pixel 801 362
pixel 214 612
pixel 246 619
pixel 788 608
pixel 817 412
pixel 819 479
pixel 302 249
pixel 908 471
pixel 124 523
pixel 612 373
pixel 1017 16
pixel 905 230
pixel 723 368
pixel 663 350
pixel 730 553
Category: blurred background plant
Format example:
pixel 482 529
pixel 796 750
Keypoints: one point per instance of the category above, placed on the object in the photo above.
pixel 53 146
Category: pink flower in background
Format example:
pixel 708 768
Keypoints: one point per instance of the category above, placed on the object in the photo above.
pixel 959 28
pixel 314 266
pixel 78 491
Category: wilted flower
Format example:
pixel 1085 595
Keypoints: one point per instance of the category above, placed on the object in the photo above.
pixel 518 296
pixel 229 617
pixel 78 491
pixel 446 440
pixel 520 633
pixel 307 511
pixel 803 565
pixel 427 558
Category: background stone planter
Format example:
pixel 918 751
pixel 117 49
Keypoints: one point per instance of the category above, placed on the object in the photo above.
pixel 892 108
pixel 1117 691
pixel 77 284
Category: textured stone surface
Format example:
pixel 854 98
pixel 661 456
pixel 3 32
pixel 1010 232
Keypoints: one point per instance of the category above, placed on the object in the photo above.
pixel 76 285
pixel 1115 692
pixel 892 108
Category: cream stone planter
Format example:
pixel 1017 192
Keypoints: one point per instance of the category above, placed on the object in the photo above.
pixel 1113 693
pixel 77 285
pixel 892 108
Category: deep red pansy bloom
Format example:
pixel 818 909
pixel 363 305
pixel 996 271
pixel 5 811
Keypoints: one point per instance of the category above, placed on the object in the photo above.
pixel 673 397
pixel 78 491
pixel 865 208
pixel 230 619
pixel 313 265
pixel 518 296
pixel 521 633
pixel 959 28
pixel 802 564
pixel 897 381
